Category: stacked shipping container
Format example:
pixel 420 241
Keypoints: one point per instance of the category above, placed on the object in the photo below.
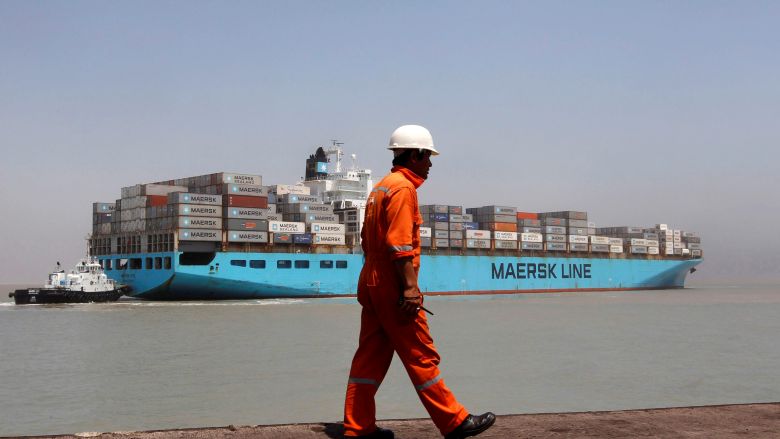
pixel 230 211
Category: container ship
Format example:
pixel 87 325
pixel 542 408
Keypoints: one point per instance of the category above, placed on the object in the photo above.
pixel 228 236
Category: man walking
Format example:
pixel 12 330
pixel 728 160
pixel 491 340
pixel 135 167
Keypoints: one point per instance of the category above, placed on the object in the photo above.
pixel 392 318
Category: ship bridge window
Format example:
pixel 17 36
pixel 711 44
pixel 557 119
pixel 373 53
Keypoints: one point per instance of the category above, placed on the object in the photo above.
pixel 257 263
pixel 341 264
pixel 158 263
pixel 284 263
pixel 148 263
pixel 167 262
pixel 135 263
pixel 107 264
pixel 238 262
pixel 196 258
pixel 301 264
pixel 121 264
pixel 326 264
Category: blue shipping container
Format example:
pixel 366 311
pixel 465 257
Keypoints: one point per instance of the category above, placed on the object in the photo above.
pixel 440 217
pixel 303 238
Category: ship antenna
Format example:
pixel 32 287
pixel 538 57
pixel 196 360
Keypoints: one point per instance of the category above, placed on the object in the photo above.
pixel 336 149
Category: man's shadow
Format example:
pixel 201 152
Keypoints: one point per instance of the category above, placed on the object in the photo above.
pixel 334 430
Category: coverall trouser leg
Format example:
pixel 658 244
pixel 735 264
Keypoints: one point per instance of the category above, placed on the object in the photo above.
pixel 384 329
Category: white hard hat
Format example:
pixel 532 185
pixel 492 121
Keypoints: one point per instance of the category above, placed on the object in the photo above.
pixel 412 137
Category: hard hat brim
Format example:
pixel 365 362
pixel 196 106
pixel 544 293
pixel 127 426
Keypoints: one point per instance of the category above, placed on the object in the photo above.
pixel 425 148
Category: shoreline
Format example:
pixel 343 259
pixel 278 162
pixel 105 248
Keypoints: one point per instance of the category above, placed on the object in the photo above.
pixel 760 420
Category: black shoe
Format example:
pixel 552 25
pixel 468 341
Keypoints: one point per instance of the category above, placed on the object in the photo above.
pixel 472 426
pixel 380 433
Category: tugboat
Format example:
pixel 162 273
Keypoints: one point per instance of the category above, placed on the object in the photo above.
pixel 86 283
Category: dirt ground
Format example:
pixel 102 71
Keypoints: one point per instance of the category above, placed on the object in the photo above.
pixel 710 422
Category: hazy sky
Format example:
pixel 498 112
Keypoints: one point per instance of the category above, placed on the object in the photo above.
pixel 638 112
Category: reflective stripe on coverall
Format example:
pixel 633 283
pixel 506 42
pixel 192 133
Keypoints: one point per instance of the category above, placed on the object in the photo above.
pixel 391 231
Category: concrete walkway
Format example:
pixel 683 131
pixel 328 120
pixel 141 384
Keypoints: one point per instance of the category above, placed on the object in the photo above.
pixel 727 421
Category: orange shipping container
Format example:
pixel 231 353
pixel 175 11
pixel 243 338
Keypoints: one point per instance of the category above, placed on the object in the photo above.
pixel 527 215
pixel 156 200
pixel 245 201
pixel 502 227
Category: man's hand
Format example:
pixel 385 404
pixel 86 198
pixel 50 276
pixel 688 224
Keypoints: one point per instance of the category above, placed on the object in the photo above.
pixel 411 300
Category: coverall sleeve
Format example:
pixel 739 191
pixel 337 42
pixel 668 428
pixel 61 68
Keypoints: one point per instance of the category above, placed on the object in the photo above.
pixel 400 222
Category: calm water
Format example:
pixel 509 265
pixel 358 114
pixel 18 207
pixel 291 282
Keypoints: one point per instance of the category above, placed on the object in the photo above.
pixel 140 365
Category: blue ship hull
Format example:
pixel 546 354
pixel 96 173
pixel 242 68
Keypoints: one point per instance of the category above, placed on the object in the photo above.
pixel 233 275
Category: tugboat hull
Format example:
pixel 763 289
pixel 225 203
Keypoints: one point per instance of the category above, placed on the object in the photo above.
pixel 59 295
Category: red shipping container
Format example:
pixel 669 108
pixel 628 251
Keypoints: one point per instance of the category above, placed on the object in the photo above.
pixel 245 201
pixel 502 227
pixel 527 215
pixel 156 200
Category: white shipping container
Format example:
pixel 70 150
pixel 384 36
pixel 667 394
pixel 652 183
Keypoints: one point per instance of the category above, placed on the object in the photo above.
pixel 247 236
pixel 531 237
pixel 555 238
pixel 478 243
pixel 662 227
pixel 199 222
pixel 678 245
pixel 189 198
pixel 696 252
pixel 507 245
pixel 441 234
pixel 245 189
pixel 161 189
pixel 297 198
pixel 599 240
pixel 286 227
pixel 330 239
pixel 578 239
pixel 425 232
pixel 234 178
pixel 328 228
pixel 505 236
pixel 198 210
pixel 246 213
pixel 616 249
pixel 284 189
pixel 478 234
pixel 652 242
pixel 638 242
pixel 100 207
pixel 685 251
pixel 616 241
pixel 308 208
pixel 438 225
pixel 652 250
pixel 200 235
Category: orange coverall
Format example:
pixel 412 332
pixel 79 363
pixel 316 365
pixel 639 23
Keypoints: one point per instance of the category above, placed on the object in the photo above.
pixel 391 230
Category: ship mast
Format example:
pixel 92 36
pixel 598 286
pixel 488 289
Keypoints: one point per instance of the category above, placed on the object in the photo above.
pixel 335 149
